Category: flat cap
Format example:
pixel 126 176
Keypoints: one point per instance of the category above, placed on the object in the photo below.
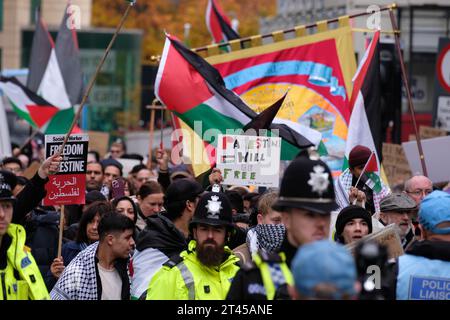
pixel 397 202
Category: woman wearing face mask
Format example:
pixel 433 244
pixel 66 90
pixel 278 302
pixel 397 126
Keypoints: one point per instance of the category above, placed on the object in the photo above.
pixel 86 235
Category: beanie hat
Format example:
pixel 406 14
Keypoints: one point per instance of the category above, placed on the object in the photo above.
pixel 358 156
pixel 349 213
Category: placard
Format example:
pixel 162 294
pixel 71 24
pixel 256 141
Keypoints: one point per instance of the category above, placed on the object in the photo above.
pixel 68 186
pixel 99 142
pixel 249 160
pixel 436 151
pixel 395 164
pixel 388 236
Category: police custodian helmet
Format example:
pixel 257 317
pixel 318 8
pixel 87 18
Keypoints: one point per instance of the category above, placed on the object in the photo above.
pixel 214 209
pixel 307 184
pixel 8 182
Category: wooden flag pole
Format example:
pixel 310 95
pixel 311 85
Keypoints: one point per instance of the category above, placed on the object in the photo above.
pixel 152 109
pixel 94 77
pixel 61 230
pixel 29 139
pixel 161 143
pixel 408 91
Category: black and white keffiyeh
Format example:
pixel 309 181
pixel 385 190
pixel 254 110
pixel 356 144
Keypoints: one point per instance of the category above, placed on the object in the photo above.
pixel 78 280
pixel 268 237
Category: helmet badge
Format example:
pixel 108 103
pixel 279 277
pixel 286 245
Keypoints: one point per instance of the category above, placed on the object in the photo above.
pixel 214 207
pixel 319 180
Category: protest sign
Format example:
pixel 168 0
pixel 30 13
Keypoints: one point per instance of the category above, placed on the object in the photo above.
pixel 127 165
pixel 426 132
pixel 436 151
pixel 249 160
pixel 69 184
pixel 99 142
pixel 395 164
pixel 388 237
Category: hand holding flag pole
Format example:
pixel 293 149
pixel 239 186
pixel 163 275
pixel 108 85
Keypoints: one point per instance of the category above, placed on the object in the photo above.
pixel 365 167
pixel 97 71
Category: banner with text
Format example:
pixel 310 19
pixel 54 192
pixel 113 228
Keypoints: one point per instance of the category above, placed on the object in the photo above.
pixel 249 160
pixel 69 184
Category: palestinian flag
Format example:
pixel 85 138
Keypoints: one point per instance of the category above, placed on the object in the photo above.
pixel 55 74
pixel 219 26
pixel 195 92
pixel 41 50
pixel 28 105
pixel 364 95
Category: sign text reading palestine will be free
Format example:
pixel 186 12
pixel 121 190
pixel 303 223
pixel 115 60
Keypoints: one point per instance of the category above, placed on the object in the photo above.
pixel 249 160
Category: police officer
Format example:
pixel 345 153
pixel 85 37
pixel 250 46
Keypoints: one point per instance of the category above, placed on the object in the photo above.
pixel 205 270
pixel 19 274
pixel 305 200
pixel 423 273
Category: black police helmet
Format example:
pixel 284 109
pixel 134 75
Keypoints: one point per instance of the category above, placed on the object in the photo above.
pixel 213 209
pixel 307 184
pixel 8 182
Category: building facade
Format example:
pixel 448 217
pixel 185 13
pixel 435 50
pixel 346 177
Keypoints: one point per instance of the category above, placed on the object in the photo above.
pixel 421 24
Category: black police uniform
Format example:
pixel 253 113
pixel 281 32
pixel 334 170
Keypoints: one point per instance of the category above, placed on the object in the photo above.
pixel 307 184
pixel 248 283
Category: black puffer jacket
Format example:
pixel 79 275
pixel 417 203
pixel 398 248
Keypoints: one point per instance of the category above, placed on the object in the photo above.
pixel 159 241
pixel 160 233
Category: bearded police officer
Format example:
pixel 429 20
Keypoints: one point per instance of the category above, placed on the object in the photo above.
pixel 205 270
pixel 20 275
pixel 305 200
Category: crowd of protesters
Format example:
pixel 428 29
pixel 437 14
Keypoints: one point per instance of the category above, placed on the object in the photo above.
pixel 169 236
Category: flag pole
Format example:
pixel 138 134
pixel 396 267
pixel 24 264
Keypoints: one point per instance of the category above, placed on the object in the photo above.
pixel 153 109
pixel 161 143
pixel 29 139
pixel 61 229
pixel 94 77
pixel 364 169
pixel 308 26
pixel 408 91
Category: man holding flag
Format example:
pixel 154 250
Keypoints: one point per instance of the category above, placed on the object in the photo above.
pixel 360 178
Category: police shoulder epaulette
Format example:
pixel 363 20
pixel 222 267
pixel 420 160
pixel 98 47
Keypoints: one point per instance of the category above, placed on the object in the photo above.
pixel 173 261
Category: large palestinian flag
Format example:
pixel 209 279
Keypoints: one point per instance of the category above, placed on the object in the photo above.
pixel 195 92
pixel 365 95
pixel 28 105
pixel 218 24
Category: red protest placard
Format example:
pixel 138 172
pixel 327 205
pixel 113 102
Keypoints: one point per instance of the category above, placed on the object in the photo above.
pixel 65 189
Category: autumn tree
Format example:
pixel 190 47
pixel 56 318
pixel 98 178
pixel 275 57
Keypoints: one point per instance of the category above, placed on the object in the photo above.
pixel 156 16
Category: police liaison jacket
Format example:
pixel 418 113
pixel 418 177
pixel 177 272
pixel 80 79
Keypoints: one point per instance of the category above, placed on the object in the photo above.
pixel 189 279
pixel 19 274
pixel 424 272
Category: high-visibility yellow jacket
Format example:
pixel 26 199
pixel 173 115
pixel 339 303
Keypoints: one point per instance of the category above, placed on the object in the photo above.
pixel 21 279
pixel 189 279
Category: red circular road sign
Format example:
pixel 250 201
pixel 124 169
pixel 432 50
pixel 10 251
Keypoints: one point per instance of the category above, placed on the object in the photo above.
pixel 443 68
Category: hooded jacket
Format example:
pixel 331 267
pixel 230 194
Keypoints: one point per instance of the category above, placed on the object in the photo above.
pixel 159 241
